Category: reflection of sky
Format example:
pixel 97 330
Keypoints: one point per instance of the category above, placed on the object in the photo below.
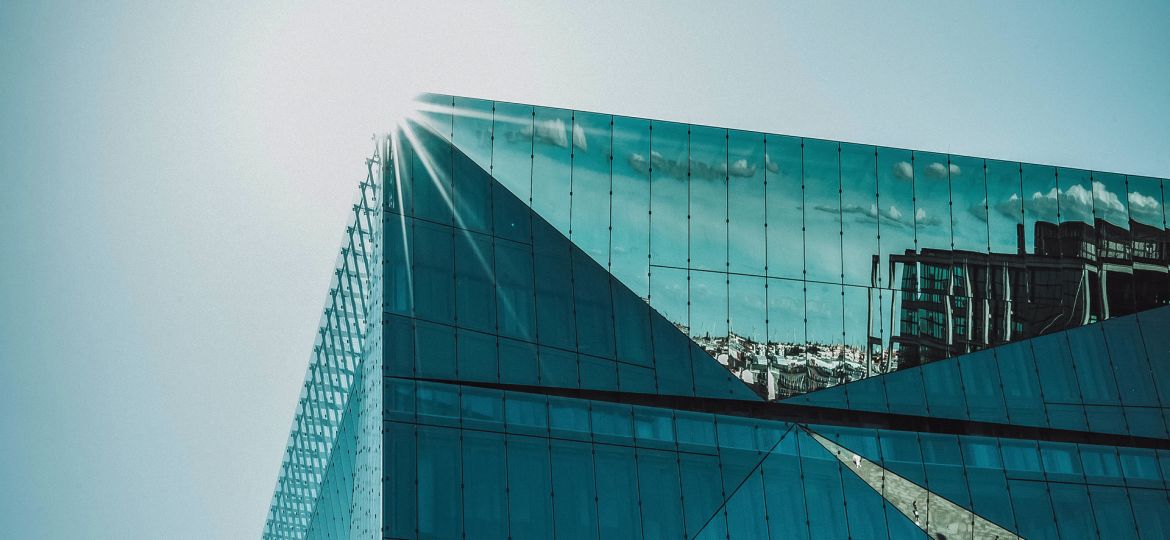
pixel 698 200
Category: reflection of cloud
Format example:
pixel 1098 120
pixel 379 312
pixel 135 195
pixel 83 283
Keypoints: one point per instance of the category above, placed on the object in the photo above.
pixel 699 169
pixel 939 170
pixel 1145 209
pixel 1078 203
pixel 579 137
pixel 979 210
pixel 904 170
pixel 772 166
pixel 1108 205
pixel 921 218
pixel 550 131
pixel 1010 208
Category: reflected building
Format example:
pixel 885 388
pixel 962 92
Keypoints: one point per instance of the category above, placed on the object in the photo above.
pixel 548 323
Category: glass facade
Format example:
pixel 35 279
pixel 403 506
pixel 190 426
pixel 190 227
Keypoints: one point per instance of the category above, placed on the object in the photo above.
pixel 590 326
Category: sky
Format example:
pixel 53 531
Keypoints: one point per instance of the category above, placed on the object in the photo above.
pixel 174 183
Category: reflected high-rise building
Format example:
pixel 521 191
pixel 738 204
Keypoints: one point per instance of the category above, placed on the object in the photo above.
pixel 956 302
pixel 548 323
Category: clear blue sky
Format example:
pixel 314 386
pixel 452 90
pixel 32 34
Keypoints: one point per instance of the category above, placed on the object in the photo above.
pixel 175 181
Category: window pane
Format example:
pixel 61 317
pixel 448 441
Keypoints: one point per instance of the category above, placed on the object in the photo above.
pixel 822 196
pixel 630 237
pixel 708 198
pixel 746 203
pixel 669 201
pixel 592 159
pixel 552 146
pixel 784 177
pixel 859 213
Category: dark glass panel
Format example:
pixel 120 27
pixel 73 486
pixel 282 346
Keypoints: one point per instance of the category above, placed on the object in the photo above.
pixel 398 348
pixel 474 277
pixel 485 483
pixel 746 512
pixel 982 386
pixel 529 487
pixel 702 492
pixel 786 506
pixel 1021 385
pixel 1098 385
pixel 439 483
pixel 631 322
pixel 511 218
pixel 517 362
pixel 554 288
pixel 574 490
pixel 594 311
pixel 515 297
pixel 433 272
pixel 436 351
pixel 825 501
pixel 986 480
pixel 1070 504
pixel 661 501
pixel 617 479
pixel 672 361
pixel 400 495
pixel 1037 521
pixel 558 368
pixel 945 392
pixel 397 289
pixel 1153 512
pixel 1113 513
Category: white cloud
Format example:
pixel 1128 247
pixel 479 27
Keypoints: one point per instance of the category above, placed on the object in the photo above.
pixel 579 138
pixel 1077 203
pixel 1009 208
pixel 904 170
pixel 772 166
pixel 939 170
pixel 697 169
pixel 741 168
pixel 979 210
pixel 1145 208
pixel 921 218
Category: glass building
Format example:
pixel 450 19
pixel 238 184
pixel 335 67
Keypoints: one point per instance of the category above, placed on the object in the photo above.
pixel 548 323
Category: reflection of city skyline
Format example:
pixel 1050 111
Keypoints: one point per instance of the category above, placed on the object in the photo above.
pixel 955 302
